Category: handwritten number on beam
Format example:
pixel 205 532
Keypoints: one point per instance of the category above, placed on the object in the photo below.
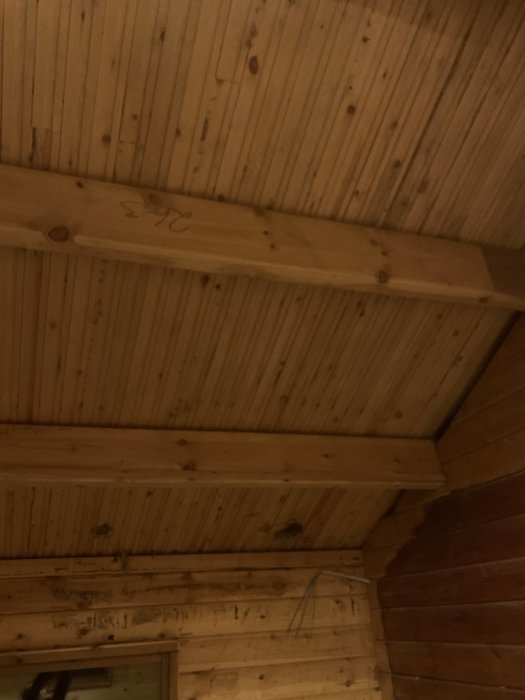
pixel 168 216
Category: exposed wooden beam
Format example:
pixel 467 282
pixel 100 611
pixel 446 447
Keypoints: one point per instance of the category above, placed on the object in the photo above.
pixel 162 564
pixel 45 454
pixel 51 212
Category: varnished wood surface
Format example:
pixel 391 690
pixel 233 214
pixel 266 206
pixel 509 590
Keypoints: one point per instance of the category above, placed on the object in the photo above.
pixel 452 598
pixel 487 437
pixel 410 688
pixel 86 217
pixel 178 563
pixel 391 114
pixel 105 654
pixel 450 571
pixel 409 121
pixel 99 342
pixel 402 114
pixel 405 115
pixel 59 455
pixel 88 520
pixel 234 645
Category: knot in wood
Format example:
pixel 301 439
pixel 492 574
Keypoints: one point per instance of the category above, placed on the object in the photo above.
pixel 59 234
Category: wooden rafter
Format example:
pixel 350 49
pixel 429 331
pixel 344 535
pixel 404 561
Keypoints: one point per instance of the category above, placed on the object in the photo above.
pixel 51 212
pixel 45 454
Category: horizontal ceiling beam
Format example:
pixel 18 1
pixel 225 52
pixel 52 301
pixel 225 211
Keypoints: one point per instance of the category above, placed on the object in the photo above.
pixel 126 456
pixel 49 212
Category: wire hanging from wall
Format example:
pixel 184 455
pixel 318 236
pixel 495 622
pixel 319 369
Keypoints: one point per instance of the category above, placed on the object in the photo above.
pixel 309 594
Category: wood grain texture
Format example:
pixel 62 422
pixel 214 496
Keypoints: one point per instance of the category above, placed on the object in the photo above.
pixel 367 118
pixel 40 595
pixel 398 115
pixel 237 645
pixel 282 681
pixel 486 438
pixel 404 116
pixel 105 655
pixel 498 581
pixel 469 544
pixel 204 653
pixel 102 343
pixel 410 688
pixel 59 454
pixel 138 622
pixel 80 216
pixel 139 520
pixel 497 666
pixel 451 571
pixel 452 596
pixel 177 563
pixel 499 623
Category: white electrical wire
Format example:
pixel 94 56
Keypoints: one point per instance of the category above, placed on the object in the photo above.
pixel 301 607
pixel 361 579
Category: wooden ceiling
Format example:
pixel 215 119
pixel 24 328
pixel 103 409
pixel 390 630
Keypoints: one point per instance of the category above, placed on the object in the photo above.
pixel 61 521
pixel 97 342
pixel 387 113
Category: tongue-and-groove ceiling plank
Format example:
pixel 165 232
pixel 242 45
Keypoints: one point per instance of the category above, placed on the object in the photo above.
pixel 68 520
pixel 389 113
pixel 92 342
pixel 405 115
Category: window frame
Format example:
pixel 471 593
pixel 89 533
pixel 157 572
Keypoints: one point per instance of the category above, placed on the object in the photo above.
pixel 103 656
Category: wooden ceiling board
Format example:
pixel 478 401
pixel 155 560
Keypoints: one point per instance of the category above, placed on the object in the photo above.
pixel 59 521
pixel 405 114
pixel 387 112
pixel 92 342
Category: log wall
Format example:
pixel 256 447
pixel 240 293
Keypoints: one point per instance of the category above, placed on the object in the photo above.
pixel 230 613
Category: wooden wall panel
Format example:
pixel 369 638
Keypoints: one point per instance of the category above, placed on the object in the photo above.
pixel 487 437
pixel 450 567
pixel 480 664
pixel 232 623
pixel 410 688
pixel 501 623
pixel 452 597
